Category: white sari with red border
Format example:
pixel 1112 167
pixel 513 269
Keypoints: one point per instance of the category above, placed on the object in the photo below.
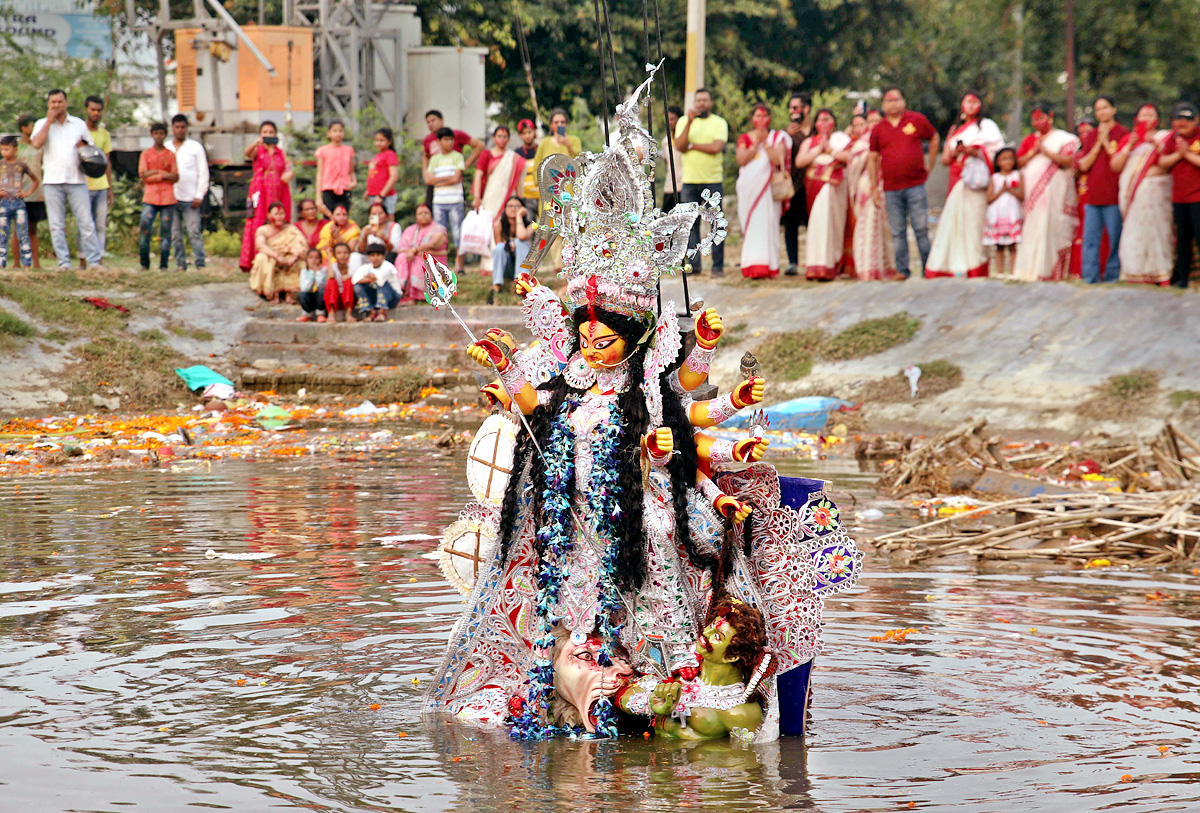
pixel 1051 211
pixel 1147 248
pixel 957 248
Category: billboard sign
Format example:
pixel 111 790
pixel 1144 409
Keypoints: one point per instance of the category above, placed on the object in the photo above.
pixel 83 36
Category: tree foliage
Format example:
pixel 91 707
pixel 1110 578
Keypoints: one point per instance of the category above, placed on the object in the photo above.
pixel 762 50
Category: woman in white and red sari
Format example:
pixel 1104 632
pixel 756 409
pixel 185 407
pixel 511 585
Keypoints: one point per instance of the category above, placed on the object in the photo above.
pixel 1147 249
pixel 971 145
pixel 1046 159
pixel 760 152
pixel 873 250
pixel 824 156
pixel 497 174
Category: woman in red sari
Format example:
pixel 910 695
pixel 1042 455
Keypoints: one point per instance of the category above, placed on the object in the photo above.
pixel 310 222
pixel 270 184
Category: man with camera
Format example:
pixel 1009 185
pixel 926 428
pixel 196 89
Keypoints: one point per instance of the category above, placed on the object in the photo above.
pixel 59 135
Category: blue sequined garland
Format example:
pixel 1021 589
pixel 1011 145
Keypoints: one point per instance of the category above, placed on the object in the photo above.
pixel 557 541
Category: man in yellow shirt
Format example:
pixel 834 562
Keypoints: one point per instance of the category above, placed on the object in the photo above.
pixel 99 189
pixel 701 137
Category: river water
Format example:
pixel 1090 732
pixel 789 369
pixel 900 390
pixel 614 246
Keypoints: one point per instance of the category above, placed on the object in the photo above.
pixel 137 674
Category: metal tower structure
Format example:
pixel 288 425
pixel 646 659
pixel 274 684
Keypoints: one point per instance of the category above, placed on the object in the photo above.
pixel 359 49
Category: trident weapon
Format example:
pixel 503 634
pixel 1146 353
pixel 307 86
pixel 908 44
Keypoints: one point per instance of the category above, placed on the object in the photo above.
pixel 441 285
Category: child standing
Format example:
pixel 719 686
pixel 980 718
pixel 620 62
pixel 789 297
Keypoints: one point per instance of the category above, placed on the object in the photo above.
pixel 335 170
pixel 1004 198
pixel 384 172
pixel 157 169
pixel 339 290
pixel 445 174
pixel 12 200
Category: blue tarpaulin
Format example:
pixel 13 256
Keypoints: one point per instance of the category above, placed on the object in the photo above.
pixel 808 414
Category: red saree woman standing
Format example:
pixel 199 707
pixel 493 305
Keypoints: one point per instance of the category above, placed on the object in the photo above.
pixel 270 184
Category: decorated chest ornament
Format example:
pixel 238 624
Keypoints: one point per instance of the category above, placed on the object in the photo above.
pixel 616 243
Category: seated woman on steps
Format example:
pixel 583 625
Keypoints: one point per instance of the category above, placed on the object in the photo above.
pixel 279 256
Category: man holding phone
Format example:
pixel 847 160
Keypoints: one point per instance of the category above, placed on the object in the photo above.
pixel 701 137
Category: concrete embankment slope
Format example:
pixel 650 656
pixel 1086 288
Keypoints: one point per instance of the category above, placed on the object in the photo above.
pixel 1030 354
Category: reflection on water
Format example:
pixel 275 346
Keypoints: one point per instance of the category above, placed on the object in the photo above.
pixel 137 673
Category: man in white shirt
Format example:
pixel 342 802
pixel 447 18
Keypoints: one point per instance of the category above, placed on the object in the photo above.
pixel 58 135
pixel 374 278
pixel 191 162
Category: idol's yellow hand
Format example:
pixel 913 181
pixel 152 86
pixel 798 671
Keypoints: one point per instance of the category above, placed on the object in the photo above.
pixel 750 450
pixel 525 283
pixel 750 391
pixel 709 328
pixel 735 510
pixel 660 442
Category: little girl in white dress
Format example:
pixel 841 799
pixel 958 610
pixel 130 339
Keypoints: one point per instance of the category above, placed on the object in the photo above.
pixel 1005 194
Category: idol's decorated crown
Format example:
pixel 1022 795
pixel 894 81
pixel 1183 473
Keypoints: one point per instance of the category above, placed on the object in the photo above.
pixel 615 243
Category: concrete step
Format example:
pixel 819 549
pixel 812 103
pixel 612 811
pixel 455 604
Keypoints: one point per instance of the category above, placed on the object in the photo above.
pixel 422 312
pixel 270 355
pixel 463 384
pixel 440 333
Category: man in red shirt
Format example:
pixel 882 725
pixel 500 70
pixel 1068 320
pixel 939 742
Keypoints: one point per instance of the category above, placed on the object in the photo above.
pixel 157 169
pixel 435 121
pixel 1183 159
pixel 898 153
pixel 1101 212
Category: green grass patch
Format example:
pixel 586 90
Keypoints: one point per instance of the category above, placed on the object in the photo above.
pixel 14 326
pixel 1133 384
pixel 1123 395
pixel 1181 397
pixel 143 370
pixel 405 384
pixel 198 335
pixel 871 336
pixel 789 356
pixel 937 376
pixel 13 332
pixel 45 297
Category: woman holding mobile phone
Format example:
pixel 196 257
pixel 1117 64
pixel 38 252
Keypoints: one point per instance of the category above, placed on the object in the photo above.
pixel 270 184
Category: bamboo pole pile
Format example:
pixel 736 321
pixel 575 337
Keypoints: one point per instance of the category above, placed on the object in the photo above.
pixel 1148 527
pixel 1171 460
pixel 929 467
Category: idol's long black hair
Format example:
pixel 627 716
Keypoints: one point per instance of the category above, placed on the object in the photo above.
pixel 631 564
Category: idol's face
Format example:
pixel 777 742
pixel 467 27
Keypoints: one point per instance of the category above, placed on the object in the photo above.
pixel 582 681
pixel 715 640
pixel 601 346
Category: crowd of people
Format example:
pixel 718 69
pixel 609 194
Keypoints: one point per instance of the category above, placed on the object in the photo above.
pixel 43 177
pixel 1103 203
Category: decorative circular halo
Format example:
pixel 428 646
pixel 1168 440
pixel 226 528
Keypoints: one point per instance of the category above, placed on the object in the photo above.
pixel 490 459
pixel 466 545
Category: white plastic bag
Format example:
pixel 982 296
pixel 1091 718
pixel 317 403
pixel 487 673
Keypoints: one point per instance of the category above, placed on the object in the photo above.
pixel 975 173
pixel 476 232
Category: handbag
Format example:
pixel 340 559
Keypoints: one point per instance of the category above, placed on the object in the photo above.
pixel 781 184
pixel 975 173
